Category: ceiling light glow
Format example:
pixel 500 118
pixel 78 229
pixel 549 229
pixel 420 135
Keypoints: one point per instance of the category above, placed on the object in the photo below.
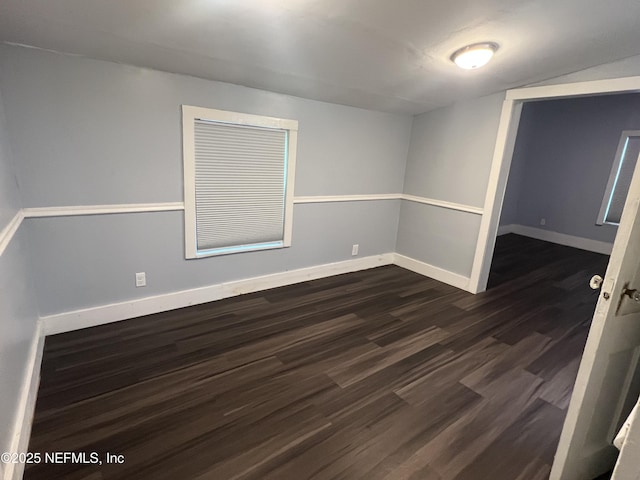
pixel 474 56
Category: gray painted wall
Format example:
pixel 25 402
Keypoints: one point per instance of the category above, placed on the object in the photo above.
pixel 89 261
pixel 451 151
pixel 437 236
pixel 18 314
pixel 449 159
pixel 88 132
pixel 563 157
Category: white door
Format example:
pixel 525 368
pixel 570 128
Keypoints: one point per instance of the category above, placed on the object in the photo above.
pixel 628 465
pixel 608 382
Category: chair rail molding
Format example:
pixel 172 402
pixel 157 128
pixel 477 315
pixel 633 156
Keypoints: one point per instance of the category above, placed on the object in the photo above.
pixel 8 232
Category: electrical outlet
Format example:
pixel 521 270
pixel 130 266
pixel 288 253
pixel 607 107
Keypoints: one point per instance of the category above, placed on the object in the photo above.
pixel 354 249
pixel 543 221
pixel 141 279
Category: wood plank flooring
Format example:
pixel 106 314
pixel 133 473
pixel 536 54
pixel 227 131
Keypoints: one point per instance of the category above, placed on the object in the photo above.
pixel 378 375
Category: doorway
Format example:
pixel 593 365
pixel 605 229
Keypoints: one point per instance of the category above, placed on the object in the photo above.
pixel 503 153
pixel 570 173
pixel 586 421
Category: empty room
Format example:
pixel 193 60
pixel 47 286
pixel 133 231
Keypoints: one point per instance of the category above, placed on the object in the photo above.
pixel 292 239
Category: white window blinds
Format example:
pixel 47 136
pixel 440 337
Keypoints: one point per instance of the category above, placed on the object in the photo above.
pixel 237 189
pixel 240 184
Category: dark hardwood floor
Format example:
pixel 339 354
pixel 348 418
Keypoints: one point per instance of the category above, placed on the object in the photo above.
pixel 377 375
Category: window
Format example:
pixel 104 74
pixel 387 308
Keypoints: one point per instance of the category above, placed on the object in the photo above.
pixel 620 178
pixel 238 181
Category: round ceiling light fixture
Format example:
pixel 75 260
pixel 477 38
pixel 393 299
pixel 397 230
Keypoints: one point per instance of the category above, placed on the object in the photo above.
pixel 474 56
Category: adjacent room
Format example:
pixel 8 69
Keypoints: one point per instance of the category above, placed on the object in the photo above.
pixel 292 240
pixel 568 179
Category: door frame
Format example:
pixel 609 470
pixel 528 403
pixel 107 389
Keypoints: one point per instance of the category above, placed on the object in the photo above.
pixel 503 155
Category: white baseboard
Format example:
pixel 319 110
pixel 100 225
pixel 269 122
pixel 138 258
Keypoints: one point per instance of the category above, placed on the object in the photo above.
pixel 115 312
pixel 437 273
pixel 559 238
pixel 26 406
pixel 90 317
pixel 504 229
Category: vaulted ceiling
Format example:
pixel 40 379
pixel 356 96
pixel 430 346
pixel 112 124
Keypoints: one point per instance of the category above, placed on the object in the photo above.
pixel 390 55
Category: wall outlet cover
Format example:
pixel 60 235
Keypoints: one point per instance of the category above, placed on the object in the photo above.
pixel 141 279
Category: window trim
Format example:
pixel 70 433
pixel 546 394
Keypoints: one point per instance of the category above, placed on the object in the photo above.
pixel 189 115
pixel 613 176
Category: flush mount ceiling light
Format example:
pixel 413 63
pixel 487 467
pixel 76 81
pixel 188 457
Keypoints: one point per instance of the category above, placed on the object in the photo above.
pixel 474 56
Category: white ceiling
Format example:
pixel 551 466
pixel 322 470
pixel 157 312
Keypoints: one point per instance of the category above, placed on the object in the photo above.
pixel 390 55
